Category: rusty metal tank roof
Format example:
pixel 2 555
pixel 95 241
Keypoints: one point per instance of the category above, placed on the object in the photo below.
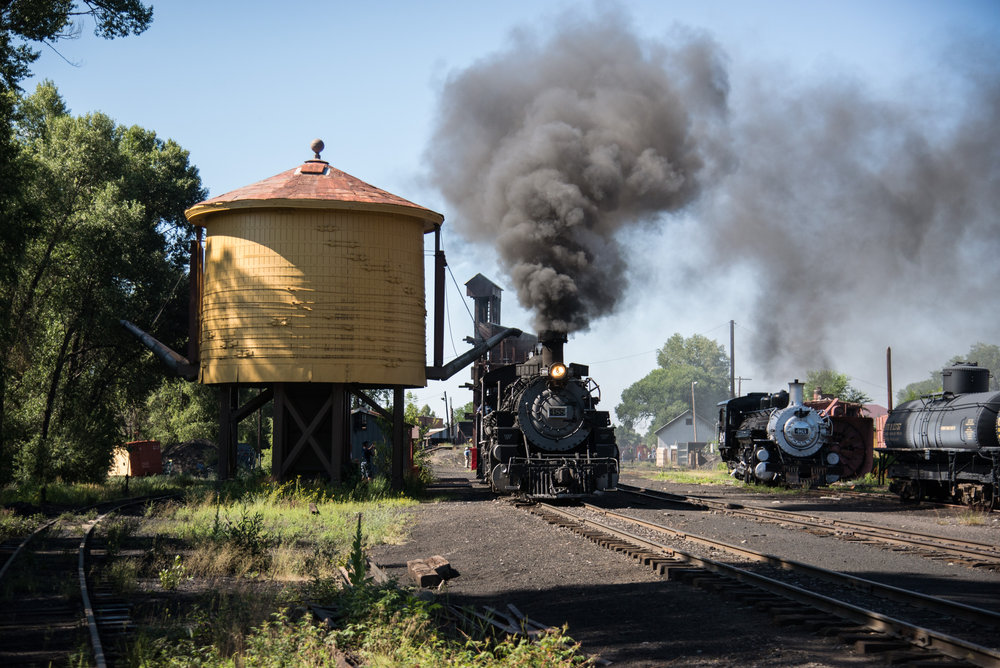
pixel 313 185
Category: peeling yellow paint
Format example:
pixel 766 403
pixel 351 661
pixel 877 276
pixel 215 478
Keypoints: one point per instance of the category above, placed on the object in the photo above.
pixel 310 295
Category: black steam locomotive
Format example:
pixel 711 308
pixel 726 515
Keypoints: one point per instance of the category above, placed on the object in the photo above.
pixel 538 433
pixel 781 439
pixel 945 446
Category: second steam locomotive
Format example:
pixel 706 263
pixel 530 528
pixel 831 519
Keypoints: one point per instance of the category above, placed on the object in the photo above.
pixel 780 438
pixel 539 433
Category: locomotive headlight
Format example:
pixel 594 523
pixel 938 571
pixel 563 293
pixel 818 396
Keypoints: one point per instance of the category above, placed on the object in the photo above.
pixel 557 371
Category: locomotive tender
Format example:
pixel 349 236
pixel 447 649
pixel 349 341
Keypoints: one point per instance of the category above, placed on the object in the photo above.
pixel 779 438
pixel 945 446
pixel 538 432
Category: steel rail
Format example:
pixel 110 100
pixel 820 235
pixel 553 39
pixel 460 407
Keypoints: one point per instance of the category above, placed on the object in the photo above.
pixel 24 543
pixel 941 643
pixel 92 623
pixel 90 613
pixel 957 547
pixel 88 609
pixel 888 592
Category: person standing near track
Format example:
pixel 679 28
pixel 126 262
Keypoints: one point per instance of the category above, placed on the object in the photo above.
pixel 368 453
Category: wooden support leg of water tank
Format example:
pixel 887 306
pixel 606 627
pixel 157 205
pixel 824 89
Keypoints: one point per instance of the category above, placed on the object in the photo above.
pixel 399 444
pixel 278 448
pixel 341 435
pixel 228 405
pixel 310 430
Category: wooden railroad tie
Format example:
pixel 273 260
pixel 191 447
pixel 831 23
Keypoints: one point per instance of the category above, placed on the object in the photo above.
pixel 430 572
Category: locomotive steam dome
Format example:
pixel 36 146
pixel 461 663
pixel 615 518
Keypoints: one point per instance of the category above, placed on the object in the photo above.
pixel 312 275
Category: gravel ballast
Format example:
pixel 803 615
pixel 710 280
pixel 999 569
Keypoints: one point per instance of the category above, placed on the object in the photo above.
pixel 616 609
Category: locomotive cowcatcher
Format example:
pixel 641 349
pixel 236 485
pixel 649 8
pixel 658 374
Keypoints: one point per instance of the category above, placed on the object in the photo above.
pixel 538 432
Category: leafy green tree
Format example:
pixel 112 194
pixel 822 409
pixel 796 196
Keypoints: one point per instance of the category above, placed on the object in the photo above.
pixel 108 238
pixel 921 388
pixel 412 414
pixel 24 25
pixel 179 411
pixel 830 382
pixel 665 392
pixel 985 355
pixel 628 442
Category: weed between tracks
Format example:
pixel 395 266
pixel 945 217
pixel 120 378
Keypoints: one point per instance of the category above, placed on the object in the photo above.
pixel 12 524
pixel 971 517
pixel 223 578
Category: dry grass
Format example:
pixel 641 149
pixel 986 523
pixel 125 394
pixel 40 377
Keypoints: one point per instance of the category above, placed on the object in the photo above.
pixel 971 517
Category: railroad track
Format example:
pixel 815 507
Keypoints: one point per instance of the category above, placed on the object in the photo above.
pixel 57 610
pixel 964 552
pixel 869 631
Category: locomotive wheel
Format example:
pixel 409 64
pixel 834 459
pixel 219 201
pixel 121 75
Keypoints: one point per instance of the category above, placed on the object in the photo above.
pixel 912 492
pixel 984 506
pixel 988 501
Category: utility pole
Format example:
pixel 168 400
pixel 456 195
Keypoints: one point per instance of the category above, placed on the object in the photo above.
pixel 732 359
pixel 741 379
pixel 453 432
pixel 888 375
pixel 446 423
pixel 694 414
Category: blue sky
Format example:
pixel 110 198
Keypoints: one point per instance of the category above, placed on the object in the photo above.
pixel 245 87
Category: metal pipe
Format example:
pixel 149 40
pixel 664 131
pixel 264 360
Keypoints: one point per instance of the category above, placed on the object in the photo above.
pixel 174 361
pixel 194 300
pixel 465 359
pixel 439 264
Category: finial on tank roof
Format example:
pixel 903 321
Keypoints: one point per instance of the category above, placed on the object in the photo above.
pixel 317 146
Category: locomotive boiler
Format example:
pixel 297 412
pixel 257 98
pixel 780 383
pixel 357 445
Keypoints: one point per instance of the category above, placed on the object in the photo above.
pixel 539 434
pixel 944 446
pixel 781 439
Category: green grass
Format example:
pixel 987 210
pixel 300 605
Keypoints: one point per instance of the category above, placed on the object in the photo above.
pixel 276 535
pixel 12 524
pixel 695 476
pixel 972 517
pixel 86 494
pixel 720 476
pixel 868 484
pixel 220 577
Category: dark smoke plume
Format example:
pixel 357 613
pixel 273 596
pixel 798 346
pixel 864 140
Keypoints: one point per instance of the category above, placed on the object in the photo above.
pixel 550 148
pixel 864 219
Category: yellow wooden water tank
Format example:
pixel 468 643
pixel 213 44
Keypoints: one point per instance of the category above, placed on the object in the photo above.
pixel 313 276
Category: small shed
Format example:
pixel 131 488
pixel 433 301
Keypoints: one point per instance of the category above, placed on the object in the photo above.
pixel 367 425
pixel 681 430
pixel 136 459
pixel 686 454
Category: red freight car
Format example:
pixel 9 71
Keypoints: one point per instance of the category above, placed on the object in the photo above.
pixel 138 458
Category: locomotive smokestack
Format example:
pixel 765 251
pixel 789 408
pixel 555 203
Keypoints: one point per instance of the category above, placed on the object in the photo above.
pixel 552 346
